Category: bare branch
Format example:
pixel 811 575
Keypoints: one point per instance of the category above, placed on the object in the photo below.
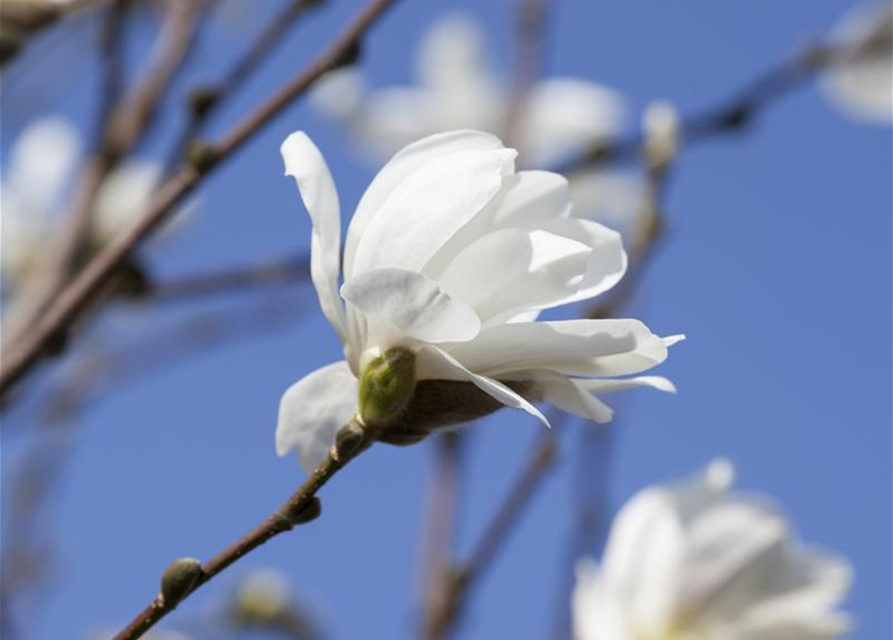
pixel 76 296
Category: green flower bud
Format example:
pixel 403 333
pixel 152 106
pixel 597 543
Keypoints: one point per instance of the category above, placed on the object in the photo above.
pixel 386 386
pixel 179 578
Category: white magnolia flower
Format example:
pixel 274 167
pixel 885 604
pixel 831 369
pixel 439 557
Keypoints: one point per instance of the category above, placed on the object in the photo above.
pixel 449 258
pixel 692 561
pixel 264 594
pixel 861 81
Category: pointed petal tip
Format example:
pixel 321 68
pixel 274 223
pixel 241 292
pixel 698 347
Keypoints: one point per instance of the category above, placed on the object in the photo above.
pixel 669 341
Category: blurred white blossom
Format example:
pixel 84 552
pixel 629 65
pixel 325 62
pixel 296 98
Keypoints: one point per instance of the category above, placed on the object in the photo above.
pixel 693 561
pixel 450 256
pixel 860 81
pixel 661 129
pixel 457 88
pixel 36 192
pixel 262 595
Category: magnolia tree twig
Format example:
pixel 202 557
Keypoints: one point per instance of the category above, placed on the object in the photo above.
pixel 207 100
pixel 76 296
pixel 730 115
pixel 183 577
pixel 457 580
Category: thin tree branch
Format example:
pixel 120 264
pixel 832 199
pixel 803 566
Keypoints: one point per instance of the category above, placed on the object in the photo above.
pixel 289 270
pixel 456 581
pixel 21 20
pixel 206 101
pixel 89 282
pixel 440 527
pixel 123 126
pixel 301 507
pixel 730 115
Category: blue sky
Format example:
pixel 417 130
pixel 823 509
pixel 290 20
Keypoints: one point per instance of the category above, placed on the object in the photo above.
pixel 777 266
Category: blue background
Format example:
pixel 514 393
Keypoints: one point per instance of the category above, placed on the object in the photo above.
pixel 777 266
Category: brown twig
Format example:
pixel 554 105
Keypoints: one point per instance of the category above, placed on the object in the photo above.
pixel 303 506
pixel 730 115
pixel 457 580
pixel 530 51
pixel 441 516
pixel 123 126
pixel 288 270
pixel 89 282
pixel 207 100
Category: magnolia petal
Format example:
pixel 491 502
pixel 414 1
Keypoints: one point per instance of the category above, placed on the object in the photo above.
pixel 436 364
pixel 592 348
pixel 566 394
pixel 525 201
pixel 411 303
pixel 305 163
pixel 644 560
pixel 607 261
pixel 429 206
pixel 313 410
pixel 609 385
pixel 452 53
pixel 562 116
pixel 510 270
pixel 405 162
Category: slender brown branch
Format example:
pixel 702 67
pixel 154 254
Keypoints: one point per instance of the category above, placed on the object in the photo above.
pixel 21 20
pixel 301 507
pixel 125 122
pixel 288 270
pixel 206 101
pixel 89 282
pixel 440 527
pixel 730 115
pixel 532 21
pixel 456 581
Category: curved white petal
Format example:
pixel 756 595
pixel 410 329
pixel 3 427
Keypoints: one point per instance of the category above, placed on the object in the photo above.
pixel 436 364
pixel 313 409
pixel 566 394
pixel 525 201
pixel 608 385
pixel 562 116
pixel 607 261
pixel 305 163
pixel 512 270
pixel 429 206
pixel 402 165
pixel 575 347
pixel 410 303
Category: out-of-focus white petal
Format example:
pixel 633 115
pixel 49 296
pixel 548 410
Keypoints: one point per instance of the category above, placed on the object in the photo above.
pixel 562 116
pixel 452 55
pixel 410 303
pixel 436 364
pixel 40 165
pixel 313 409
pixel 305 163
pixel 339 93
pixel 393 117
pixel 510 270
pixel 611 198
pixel 861 81
pixel 408 160
pixel 575 347
pixel 597 614
pixel 644 561
pixel 122 199
pixel 429 206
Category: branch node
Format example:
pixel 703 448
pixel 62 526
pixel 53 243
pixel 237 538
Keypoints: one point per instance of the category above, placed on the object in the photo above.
pixel 302 514
pixel 202 156
pixel 202 100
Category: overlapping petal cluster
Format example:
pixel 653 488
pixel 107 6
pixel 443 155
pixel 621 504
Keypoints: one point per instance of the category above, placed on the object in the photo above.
pixel 694 561
pixel 451 255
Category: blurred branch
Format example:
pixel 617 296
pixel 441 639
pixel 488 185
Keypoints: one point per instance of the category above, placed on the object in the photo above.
pixel 21 20
pixel 67 306
pixel 439 529
pixel 288 270
pixel 455 582
pixel 206 100
pixel 183 577
pixel 126 120
pixel 730 115
pixel 530 50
